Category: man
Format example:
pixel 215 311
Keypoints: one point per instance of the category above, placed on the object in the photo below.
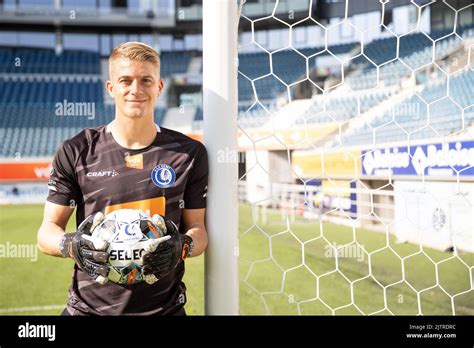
pixel 129 163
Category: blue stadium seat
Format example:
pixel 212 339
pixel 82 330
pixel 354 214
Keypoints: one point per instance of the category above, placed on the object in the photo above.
pixel 34 129
pixel 175 62
pixel 288 65
pixel 45 61
pixel 445 114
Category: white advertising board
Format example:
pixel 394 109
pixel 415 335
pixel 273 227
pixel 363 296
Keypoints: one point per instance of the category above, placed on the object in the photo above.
pixel 439 215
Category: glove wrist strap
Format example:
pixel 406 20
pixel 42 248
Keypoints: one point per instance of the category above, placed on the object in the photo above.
pixel 188 247
pixel 65 244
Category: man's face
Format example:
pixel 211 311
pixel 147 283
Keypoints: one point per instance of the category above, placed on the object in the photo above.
pixel 135 87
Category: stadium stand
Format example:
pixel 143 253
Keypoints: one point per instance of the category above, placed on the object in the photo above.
pixel 175 62
pixel 409 117
pixel 42 89
pixel 288 65
pixel 33 87
pixel 35 129
pixel 46 61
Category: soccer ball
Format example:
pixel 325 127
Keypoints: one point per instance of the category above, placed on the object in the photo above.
pixel 126 231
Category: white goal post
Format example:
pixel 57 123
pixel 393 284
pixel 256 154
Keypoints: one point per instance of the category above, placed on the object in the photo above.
pixel 220 20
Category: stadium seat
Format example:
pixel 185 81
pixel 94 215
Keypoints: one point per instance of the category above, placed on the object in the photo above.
pixel 24 60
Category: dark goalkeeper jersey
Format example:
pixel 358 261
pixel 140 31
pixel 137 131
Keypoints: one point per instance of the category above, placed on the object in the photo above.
pixel 94 173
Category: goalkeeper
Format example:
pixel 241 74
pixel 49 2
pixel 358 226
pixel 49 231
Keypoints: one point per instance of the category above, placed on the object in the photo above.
pixel 129 163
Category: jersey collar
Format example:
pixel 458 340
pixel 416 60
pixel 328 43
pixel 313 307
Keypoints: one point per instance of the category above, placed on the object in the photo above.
pixel 108 129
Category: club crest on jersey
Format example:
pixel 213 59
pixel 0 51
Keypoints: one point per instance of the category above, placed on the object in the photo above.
pixel 163 176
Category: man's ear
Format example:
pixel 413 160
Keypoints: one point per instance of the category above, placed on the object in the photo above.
pixel 110 88
pixel 161 84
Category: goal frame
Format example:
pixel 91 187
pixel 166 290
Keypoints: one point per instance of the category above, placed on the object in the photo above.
pixel 220 24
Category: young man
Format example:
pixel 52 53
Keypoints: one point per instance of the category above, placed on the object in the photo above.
pixel 129 163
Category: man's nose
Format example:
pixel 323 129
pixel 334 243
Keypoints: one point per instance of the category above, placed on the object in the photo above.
pixel 135 87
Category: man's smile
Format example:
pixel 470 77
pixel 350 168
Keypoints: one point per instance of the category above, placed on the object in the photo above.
pixel 136 101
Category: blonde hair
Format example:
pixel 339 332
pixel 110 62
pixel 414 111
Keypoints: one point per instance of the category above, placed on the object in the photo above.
pixel 138 51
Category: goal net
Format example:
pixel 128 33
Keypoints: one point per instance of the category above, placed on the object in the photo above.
pixel 356 158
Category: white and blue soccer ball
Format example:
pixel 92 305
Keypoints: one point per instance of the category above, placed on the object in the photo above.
pixel 127 232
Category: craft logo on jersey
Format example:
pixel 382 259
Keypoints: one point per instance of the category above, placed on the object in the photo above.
pixel 163 176
pixel 135 161
pixel 111 173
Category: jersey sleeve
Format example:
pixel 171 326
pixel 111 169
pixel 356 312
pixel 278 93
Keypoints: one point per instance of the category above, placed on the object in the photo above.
pixel 196 188
pixel 62 184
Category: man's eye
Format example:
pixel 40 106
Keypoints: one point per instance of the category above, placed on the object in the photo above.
pixel 147 80
pixel 124 81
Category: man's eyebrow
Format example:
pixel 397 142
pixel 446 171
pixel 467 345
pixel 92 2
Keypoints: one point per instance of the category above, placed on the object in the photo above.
pixel 129 77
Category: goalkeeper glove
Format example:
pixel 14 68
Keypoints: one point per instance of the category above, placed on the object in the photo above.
pixel 86 251
pixel 163 254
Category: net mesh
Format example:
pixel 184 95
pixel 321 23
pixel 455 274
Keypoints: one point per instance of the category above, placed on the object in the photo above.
pixel 357 193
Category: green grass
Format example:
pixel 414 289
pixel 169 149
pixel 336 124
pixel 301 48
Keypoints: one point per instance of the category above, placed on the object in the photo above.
pixel 274 278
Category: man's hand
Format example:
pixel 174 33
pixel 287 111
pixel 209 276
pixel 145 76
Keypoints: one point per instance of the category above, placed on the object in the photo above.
pixel 86 251
pixel 163 254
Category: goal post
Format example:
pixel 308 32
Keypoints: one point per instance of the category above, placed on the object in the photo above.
pixel 220 19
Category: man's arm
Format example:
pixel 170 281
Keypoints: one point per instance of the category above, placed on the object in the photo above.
pixel 53 227
pixel 194 222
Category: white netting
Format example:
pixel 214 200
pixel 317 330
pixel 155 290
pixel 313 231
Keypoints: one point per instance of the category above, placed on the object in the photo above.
pixel 357 196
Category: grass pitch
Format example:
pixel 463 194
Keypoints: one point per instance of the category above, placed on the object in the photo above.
pixel 282 270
